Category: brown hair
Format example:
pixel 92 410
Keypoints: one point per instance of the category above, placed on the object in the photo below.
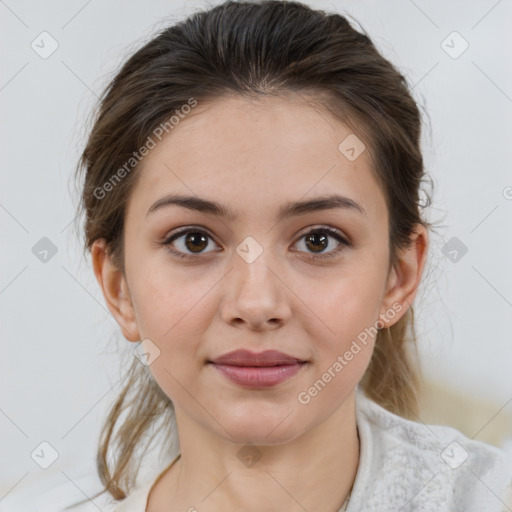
pixel 252 49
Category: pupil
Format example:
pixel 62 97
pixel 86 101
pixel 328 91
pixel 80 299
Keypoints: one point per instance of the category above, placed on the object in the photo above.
pixel 317 238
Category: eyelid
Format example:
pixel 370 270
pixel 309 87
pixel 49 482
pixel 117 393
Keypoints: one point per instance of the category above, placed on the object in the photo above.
pixel 319 227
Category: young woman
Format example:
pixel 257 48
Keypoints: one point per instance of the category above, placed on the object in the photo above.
pixel 251 196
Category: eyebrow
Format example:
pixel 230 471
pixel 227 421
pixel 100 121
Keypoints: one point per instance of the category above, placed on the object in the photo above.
pixel 287 210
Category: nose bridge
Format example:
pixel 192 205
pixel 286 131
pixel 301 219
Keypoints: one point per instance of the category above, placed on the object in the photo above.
pixel 256 294
pixel 254 268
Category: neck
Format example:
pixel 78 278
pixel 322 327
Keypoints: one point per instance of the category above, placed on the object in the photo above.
pixel 314 471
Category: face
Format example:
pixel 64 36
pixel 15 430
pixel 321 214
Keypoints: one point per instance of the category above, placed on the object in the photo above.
pixel 311 284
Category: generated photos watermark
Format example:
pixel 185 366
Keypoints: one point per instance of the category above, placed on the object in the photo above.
pixel 158 133
pixel 304 397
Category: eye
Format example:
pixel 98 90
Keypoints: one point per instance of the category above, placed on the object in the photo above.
pixel 193 240
pixel 317 241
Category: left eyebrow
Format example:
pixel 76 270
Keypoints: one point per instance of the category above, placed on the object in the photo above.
pixel 287 210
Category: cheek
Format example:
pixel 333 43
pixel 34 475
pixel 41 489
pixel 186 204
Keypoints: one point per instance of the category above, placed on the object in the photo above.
pixel 170 305
pixel 348 304
pixel 349 307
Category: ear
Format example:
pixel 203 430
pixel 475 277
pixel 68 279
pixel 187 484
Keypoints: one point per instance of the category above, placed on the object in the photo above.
pixel 115 290
pixel 405 276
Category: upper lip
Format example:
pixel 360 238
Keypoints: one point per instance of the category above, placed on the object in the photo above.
pixel 244 357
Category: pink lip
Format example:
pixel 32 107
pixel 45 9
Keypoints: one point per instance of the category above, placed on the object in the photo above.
pixel 244 357
pixel 255 370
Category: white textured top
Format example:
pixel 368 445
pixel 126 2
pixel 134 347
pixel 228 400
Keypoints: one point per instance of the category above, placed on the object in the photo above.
pixel 407 466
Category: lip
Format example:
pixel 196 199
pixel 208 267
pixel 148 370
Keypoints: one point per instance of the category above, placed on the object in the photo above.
pixel 244 357
pixel 257 369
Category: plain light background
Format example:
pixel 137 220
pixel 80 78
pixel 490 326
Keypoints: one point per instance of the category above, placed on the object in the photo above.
pixel 59 344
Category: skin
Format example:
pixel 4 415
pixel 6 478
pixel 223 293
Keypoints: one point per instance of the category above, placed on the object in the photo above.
pixel 253 156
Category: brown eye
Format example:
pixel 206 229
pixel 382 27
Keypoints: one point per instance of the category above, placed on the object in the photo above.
pixel 195 242
pixel 188 242
pixel 191 243
pixel 318 243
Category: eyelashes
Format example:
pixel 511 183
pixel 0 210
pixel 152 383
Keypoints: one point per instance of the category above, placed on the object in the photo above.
pixel 318 235
pixel 330 232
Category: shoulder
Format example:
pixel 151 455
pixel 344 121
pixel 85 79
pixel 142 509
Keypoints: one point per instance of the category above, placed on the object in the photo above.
pixel 154 464
pixel 429 467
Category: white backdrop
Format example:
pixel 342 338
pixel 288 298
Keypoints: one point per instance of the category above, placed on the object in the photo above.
pixel 59 343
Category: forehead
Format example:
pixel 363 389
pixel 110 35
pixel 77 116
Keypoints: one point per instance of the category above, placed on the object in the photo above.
pixel 270 150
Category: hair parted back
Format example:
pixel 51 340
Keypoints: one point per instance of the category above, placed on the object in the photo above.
pixel 253 49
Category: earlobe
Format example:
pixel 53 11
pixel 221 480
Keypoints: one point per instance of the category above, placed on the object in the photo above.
pixel 405 277
pixel 115 290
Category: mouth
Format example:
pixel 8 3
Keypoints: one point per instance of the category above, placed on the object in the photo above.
pixel 244 357
pixel 258 370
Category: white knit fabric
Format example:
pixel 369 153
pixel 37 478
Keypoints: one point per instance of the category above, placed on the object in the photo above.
pixel 408 466
pixel 404 466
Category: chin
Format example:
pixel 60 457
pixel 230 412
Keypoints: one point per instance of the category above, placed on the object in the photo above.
pixel 268 431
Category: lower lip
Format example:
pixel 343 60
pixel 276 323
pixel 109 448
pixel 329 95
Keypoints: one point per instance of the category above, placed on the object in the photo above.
pixel 259 376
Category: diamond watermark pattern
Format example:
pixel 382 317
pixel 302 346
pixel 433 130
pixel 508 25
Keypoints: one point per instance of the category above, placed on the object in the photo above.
pixel 351 147
pixel 454 455
pixel 249 249
pixel 454 249
pixel 44 250
pixel 44 45
pixel 44 455
pixel 146 352
pixel 249 455
pixel 454 45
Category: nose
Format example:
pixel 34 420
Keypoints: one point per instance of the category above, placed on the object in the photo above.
pixel 256 296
